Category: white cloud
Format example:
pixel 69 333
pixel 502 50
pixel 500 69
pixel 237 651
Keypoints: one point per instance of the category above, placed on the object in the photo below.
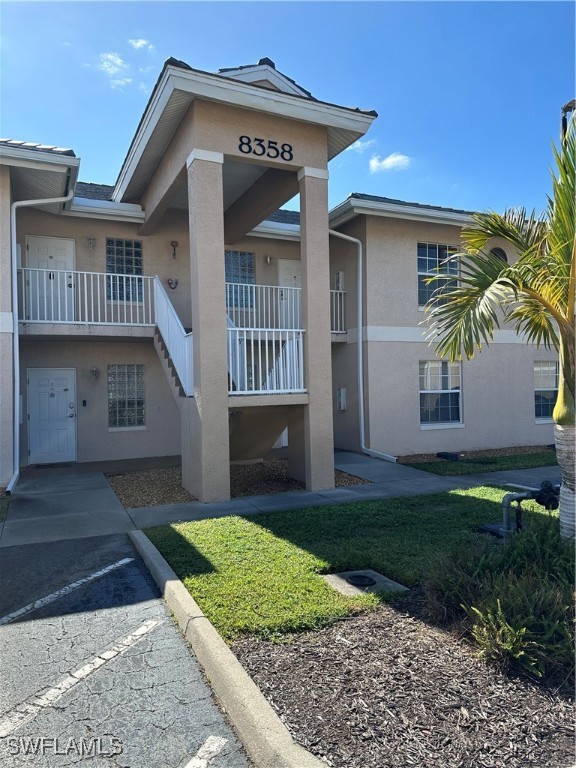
pixel 141 42
pixel 360 146
pixel 112 64
pixel 144 88
pixel 120 83
pixel 394 162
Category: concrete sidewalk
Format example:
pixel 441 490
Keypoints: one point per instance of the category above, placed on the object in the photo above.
pixel 54 504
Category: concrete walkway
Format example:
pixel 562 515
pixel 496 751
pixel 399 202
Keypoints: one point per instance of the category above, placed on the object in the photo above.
pixel 55 504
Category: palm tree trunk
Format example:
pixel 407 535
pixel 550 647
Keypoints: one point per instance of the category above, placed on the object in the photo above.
pixel 565 438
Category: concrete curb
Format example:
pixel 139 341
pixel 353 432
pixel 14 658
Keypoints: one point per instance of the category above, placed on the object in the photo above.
pixel 265 738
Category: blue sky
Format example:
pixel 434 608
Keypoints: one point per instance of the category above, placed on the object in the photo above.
pixel 468 93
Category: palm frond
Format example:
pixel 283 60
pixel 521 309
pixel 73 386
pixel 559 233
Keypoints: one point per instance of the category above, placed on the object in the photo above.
pixel 464 318
pixel 526 233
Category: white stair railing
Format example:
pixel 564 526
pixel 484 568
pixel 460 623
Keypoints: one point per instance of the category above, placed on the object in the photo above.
pixel 177 341
pixel 287 373
pixel 237 362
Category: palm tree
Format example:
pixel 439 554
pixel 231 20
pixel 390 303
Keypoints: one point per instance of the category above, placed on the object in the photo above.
pixel 536 295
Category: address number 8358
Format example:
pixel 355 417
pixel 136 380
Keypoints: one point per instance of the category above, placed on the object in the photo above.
pixel 267 147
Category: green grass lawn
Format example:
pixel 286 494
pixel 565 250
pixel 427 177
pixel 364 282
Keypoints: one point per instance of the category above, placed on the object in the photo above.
pixel 491 464
pixel 261 574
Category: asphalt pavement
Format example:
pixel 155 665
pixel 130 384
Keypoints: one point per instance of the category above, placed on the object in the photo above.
pixel 93 669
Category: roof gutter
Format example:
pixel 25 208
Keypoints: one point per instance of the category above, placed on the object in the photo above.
pixel 15 345
pixel 360 360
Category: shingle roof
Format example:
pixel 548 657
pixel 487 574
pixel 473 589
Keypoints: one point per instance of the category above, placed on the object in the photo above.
pixel 378 199
pixel 94 191
pixel 284 217
pixel 17 144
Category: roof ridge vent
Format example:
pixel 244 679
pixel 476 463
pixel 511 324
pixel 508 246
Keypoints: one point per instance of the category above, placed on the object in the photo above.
pixel 267 61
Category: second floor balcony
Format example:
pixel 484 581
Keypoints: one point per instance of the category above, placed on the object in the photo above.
pixel 70 297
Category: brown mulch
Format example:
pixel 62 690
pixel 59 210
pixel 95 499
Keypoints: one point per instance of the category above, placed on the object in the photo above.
pixel 519 450
pixel 152 487
pixel 386 690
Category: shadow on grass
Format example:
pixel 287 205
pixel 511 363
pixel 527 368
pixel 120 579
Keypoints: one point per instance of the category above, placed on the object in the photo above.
pixel 185 559
pixel 397 537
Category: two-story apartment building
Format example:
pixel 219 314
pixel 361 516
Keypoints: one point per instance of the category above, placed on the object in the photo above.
pixel 181 312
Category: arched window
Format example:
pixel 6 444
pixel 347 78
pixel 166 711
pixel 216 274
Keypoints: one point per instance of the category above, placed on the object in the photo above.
pixel 499 253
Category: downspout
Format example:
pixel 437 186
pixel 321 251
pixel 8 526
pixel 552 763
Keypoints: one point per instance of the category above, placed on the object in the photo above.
pixel 15 338
pixel 360 362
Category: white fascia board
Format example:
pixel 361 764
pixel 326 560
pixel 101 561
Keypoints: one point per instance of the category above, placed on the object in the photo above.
pixel 106 209
pixel 253 97
pixel 149 122
pixel 276 230
pixel 41 161
pixel 350 208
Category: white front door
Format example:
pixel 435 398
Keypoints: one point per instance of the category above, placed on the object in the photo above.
pixel 289 276
pixel 50 281
pixel 51 415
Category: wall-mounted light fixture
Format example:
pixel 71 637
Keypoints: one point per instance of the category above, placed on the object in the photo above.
pixel 91 242
pixel 172 282
pixel 174 244
pixel 268 260
pixel 94 373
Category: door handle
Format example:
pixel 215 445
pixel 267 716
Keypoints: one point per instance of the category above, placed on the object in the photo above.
pixel 70 415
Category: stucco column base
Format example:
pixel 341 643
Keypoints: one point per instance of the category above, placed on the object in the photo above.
pixel 297 444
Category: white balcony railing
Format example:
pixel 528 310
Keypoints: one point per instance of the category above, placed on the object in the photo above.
pixel 67 296
pixel 263 306
pixel 337 311
pixel 177 341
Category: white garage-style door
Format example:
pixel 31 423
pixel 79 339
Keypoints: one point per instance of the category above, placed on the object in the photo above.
pixel 51 415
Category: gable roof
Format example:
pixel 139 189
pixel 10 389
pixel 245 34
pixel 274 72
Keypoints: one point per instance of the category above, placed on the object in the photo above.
pixel 265 70
pixel 177 87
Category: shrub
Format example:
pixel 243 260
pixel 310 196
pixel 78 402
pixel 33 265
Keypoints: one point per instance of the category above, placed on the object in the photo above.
pixel 516 599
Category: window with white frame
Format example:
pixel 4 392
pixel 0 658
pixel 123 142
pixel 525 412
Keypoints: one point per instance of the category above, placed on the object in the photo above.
pixel 124 269
pixel 545 389
pixel 126 404
pixel 440 392
pixel 434 261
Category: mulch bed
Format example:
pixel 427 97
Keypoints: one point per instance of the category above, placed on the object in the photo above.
pixel 387 690
pixel 153 487
pixel 519 450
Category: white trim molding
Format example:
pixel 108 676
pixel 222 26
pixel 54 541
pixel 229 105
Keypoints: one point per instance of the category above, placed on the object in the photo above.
pixel 412 334
pixel 204 154
pixel 443 425
pixel 314 173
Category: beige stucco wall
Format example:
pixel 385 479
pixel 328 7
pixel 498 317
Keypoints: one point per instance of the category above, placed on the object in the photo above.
pixel 345 355
pixel 161 437
pixel 6 383
pixel 497 385
pixel 497 400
